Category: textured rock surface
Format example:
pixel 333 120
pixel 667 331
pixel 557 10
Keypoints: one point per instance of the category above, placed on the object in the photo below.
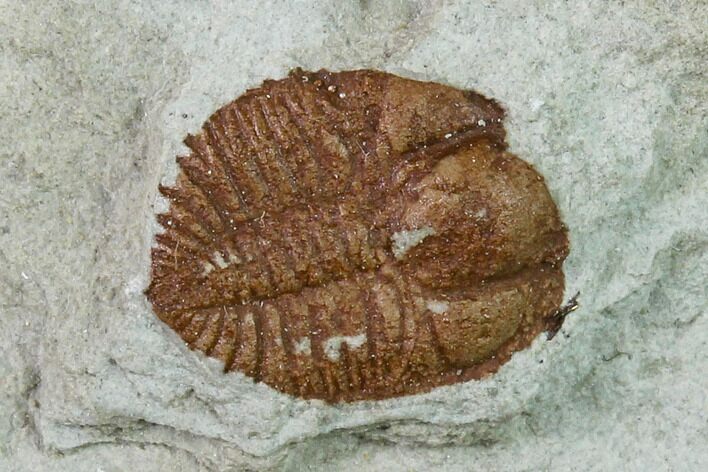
pixel 608 102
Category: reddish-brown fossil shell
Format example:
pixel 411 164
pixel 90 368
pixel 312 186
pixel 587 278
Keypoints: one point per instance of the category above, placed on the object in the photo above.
pixel 357 235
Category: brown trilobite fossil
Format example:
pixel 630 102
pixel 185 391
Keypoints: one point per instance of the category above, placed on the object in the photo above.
pixel 357 235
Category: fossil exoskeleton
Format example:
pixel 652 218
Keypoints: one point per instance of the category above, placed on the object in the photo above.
pixel 357 235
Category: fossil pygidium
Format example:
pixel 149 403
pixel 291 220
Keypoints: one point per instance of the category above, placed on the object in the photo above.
pixel 357 235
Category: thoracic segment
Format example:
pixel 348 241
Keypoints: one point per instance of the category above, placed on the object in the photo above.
pixel 264 258
pixel 274 150
pixel 327 356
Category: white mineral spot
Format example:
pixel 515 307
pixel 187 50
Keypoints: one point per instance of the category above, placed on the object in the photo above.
pixel 481 213
pixel 481 123
pixel 437 306
pixel 536 104
pixel 333 345
pixel 208 268
pixel 403 241
pixel 219 259
pixel 303 347
pixel 448 135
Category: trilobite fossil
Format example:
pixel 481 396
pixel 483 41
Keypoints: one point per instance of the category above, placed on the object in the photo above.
pixel 357 235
